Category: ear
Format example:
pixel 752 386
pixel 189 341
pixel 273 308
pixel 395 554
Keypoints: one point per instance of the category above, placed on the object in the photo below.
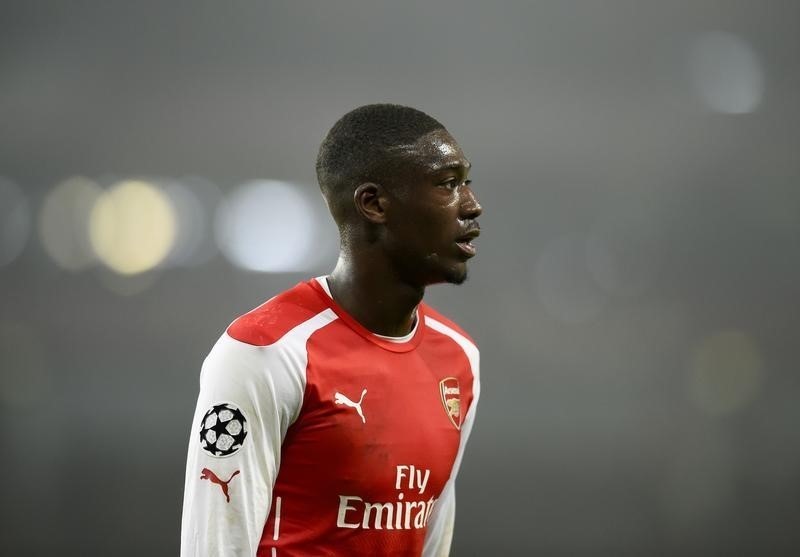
pixel 371 202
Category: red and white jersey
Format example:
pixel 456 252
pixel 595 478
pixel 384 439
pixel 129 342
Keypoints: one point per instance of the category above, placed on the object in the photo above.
pixel 313 436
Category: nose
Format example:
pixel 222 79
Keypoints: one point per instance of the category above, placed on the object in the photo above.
pixel 470 207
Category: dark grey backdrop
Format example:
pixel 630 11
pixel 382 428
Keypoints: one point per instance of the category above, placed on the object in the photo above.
pixel 635 295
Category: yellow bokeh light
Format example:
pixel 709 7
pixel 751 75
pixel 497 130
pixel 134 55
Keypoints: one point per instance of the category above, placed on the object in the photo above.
pixel 132 227
pixel 726 373
pixel 63 222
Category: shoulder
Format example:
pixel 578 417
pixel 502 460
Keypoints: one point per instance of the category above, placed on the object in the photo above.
pixel 270 321
pixel 439 322
pixel 457 340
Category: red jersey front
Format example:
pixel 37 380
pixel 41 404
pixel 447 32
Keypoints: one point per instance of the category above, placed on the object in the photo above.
pixel 314 436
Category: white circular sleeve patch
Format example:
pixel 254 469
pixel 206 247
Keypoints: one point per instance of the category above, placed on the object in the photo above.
pixel 223 430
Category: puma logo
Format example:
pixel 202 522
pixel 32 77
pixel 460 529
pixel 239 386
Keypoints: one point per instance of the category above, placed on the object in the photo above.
pixel 206 474
pixel 339 398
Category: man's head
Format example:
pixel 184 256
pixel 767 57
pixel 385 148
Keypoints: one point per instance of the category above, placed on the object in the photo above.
pixel 395 182
pixel 367 145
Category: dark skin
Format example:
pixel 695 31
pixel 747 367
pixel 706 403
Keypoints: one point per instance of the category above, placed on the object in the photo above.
pixel 406 233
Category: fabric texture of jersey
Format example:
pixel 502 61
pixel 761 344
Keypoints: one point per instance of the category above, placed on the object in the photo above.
pixel 313 436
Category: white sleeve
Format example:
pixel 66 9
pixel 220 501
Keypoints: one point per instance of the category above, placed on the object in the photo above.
pixel 439 533
pixel 229 480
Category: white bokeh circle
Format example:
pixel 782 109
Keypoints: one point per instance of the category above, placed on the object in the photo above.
pixel 267 226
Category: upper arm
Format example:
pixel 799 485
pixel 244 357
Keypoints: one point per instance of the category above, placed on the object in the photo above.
pixel 261 387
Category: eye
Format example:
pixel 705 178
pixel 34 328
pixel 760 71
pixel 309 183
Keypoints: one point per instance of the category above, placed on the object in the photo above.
pixel 453 183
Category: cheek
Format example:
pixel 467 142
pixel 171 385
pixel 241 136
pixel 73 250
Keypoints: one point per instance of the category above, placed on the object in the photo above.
pixel 453 203
pixel 428 225
pixel 434 227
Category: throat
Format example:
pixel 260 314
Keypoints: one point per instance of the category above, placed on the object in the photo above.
pixel 388 312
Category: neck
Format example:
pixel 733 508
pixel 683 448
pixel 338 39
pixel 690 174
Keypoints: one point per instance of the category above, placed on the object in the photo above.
pixel 375 296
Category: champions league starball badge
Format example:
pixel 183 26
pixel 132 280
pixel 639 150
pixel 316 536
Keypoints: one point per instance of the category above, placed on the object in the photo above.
pixel 223 430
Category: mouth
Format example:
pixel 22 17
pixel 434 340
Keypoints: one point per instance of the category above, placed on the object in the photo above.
pixel 467 248
pixel 464 242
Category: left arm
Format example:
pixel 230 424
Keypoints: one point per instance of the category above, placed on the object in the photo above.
pixel 439 534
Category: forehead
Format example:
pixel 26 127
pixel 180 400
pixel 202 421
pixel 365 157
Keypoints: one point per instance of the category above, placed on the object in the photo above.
pixel 437 151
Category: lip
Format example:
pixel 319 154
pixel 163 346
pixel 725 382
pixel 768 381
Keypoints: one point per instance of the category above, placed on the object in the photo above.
pixel 464 242
pixel 470 234
pixel 467 248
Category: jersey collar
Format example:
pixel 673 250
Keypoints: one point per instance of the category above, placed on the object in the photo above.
pixel 389 343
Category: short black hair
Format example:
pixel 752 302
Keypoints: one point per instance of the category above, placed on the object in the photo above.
pixel 364 143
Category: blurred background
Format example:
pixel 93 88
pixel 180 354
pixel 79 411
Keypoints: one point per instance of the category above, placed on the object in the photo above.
pixel 635 295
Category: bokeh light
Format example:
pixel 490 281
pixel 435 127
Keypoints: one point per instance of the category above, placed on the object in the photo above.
pixel 196 201
pixel 192 229
pixel 267 226
pixel 726 72
pixel 64 223
pixel 726 373
pixel 132 227
pixel 127 285
pixel 15 221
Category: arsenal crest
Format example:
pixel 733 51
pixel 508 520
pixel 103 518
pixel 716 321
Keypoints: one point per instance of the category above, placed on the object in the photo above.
pixel 451 399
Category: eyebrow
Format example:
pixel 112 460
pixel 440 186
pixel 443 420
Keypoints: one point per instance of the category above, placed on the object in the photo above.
pixel 451 166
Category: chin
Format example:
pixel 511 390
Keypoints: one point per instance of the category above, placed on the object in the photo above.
pixel 456 275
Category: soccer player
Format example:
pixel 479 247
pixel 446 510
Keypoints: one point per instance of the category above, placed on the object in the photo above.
pixel 332 419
